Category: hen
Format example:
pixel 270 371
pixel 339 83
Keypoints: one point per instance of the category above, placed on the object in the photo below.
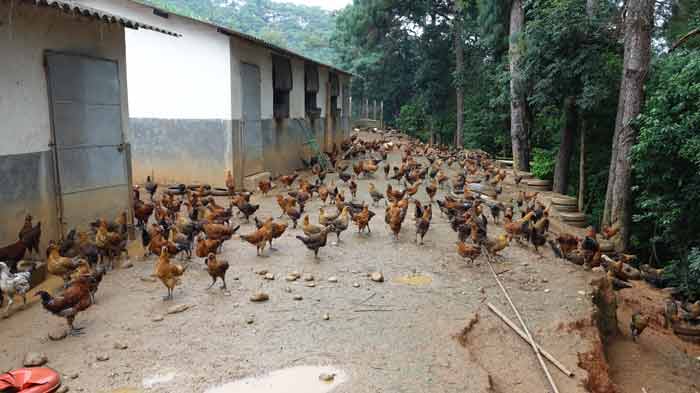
pixel 75 298
pixel 168 273
pixel 341 223
pixel 58 265
pixel 13 284
pixel 259 238
pixel 315 242
pixel 374 194
pixel 206 246
pixel 638 323
pixel 468 251
pixel 363 218
pixel 423 217
pixel 216 269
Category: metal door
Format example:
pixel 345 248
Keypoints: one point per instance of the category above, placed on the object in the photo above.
pixel 90 157
pixel 253 161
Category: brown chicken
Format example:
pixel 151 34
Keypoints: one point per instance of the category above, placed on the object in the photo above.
pixel 75 298
pixel 216 269
pixel 58 265
pixel 610 231
pixel 374 194
pixel 168 273
pixel 265 186
pixel 142 212
pixel 517 228
pixel 288 180
pixel 205 246
pixel 285 202
pixel 259 238
pixel 326 219
pixel 159 241
pixel 110 244
pixel 308 228
pixel 431 190
pixel 496 246
pixel 221 232
pixel 353 188
pixel 323 193
pixel 411 191
pixel 469 251
pixel 393 195
pixel 638 323
pixel 423 222
pixel 277 229
pixel 230 183
pixel 362 219
pixel 395 215
pixel 567 243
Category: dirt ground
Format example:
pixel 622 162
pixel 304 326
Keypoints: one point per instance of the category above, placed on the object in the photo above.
pixel 395 336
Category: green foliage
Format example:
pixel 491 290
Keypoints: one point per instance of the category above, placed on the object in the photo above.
pixel 305 29
pixel 413 120
pixel 685 274
pixel 543 160
pixel 666 157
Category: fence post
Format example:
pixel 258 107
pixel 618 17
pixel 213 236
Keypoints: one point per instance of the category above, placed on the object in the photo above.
pixel 381 115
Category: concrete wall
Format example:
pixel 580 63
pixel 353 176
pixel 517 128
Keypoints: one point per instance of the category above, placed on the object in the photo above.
pixel 180 97
pixel 26 163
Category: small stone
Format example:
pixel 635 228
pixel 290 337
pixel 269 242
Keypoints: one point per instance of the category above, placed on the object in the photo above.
pixel 297 297
pixel 333 279
pixel 121 346
pixel 103 357
pixel 356 285
pixel 63 389
pixel 249 320
pixel 310 284
pixel 582 293
pixel 269 276
pixel 308 277
pixel 544 280
pixel 35 359
pixel 377 277
pixel 261 272
pixel 525 264
pixel 57 334
pixel 291 277
pixel 74 376
pixel 157 318
pixel 326 377
pixel 482 290
pixel 326 317
pixel 148 279
pixel 127 265
pixel 547 290
pixel 178 308
pixel 288 290
pixel 259 297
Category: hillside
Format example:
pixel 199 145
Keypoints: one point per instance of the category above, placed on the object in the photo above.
pixel 304 29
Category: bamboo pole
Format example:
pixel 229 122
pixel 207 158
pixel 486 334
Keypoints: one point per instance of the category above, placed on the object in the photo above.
pixel 522 335
pixel 522 323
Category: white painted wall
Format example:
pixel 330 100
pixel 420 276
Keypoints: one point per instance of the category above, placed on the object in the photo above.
pixel 25 125
pixel 246 52
pixel 174 78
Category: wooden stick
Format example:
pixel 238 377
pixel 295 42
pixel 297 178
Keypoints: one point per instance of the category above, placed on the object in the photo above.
pixel 520 333
pixel 522 323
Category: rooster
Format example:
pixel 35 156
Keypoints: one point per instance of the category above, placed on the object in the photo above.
pixel 75 299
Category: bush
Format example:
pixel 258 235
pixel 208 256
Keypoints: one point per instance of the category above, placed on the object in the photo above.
pixel 543 161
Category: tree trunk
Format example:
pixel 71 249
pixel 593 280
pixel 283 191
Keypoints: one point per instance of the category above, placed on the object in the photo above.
pixel 459 70
pixel 566 145
pixel 638 23
pixel 519 133
pixel 582 170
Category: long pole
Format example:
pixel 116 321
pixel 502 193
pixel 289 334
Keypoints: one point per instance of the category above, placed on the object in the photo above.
pixel 522 323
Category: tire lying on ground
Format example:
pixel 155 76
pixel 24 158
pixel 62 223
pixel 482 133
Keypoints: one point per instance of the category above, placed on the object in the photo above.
pixel 218 191
pixel 539 184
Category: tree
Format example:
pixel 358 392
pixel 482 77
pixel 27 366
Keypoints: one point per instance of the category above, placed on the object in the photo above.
pixel 638 21
pixel 519 125
pixel 459 71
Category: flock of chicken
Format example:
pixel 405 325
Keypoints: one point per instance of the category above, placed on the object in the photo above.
pixel 186 220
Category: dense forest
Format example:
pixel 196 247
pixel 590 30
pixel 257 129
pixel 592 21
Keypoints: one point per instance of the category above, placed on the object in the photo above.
pixel 307 30
pixel 531 78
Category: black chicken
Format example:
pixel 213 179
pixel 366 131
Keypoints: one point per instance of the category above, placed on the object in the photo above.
pixel 315 242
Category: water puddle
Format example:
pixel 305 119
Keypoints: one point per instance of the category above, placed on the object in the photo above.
pixel 302 379
pixel 415 279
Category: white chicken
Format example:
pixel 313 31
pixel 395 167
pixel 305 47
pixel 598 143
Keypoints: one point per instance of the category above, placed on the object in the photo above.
pixel 13 284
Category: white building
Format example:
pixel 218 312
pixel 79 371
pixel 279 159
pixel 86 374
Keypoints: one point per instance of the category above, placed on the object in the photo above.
pixel 208 102
pixel 64 110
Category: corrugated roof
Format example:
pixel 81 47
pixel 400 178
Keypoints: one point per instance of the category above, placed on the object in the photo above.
pixel 251 38
pixel 74 8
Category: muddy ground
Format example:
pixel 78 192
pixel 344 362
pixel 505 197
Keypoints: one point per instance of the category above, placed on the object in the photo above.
pixel 397 336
